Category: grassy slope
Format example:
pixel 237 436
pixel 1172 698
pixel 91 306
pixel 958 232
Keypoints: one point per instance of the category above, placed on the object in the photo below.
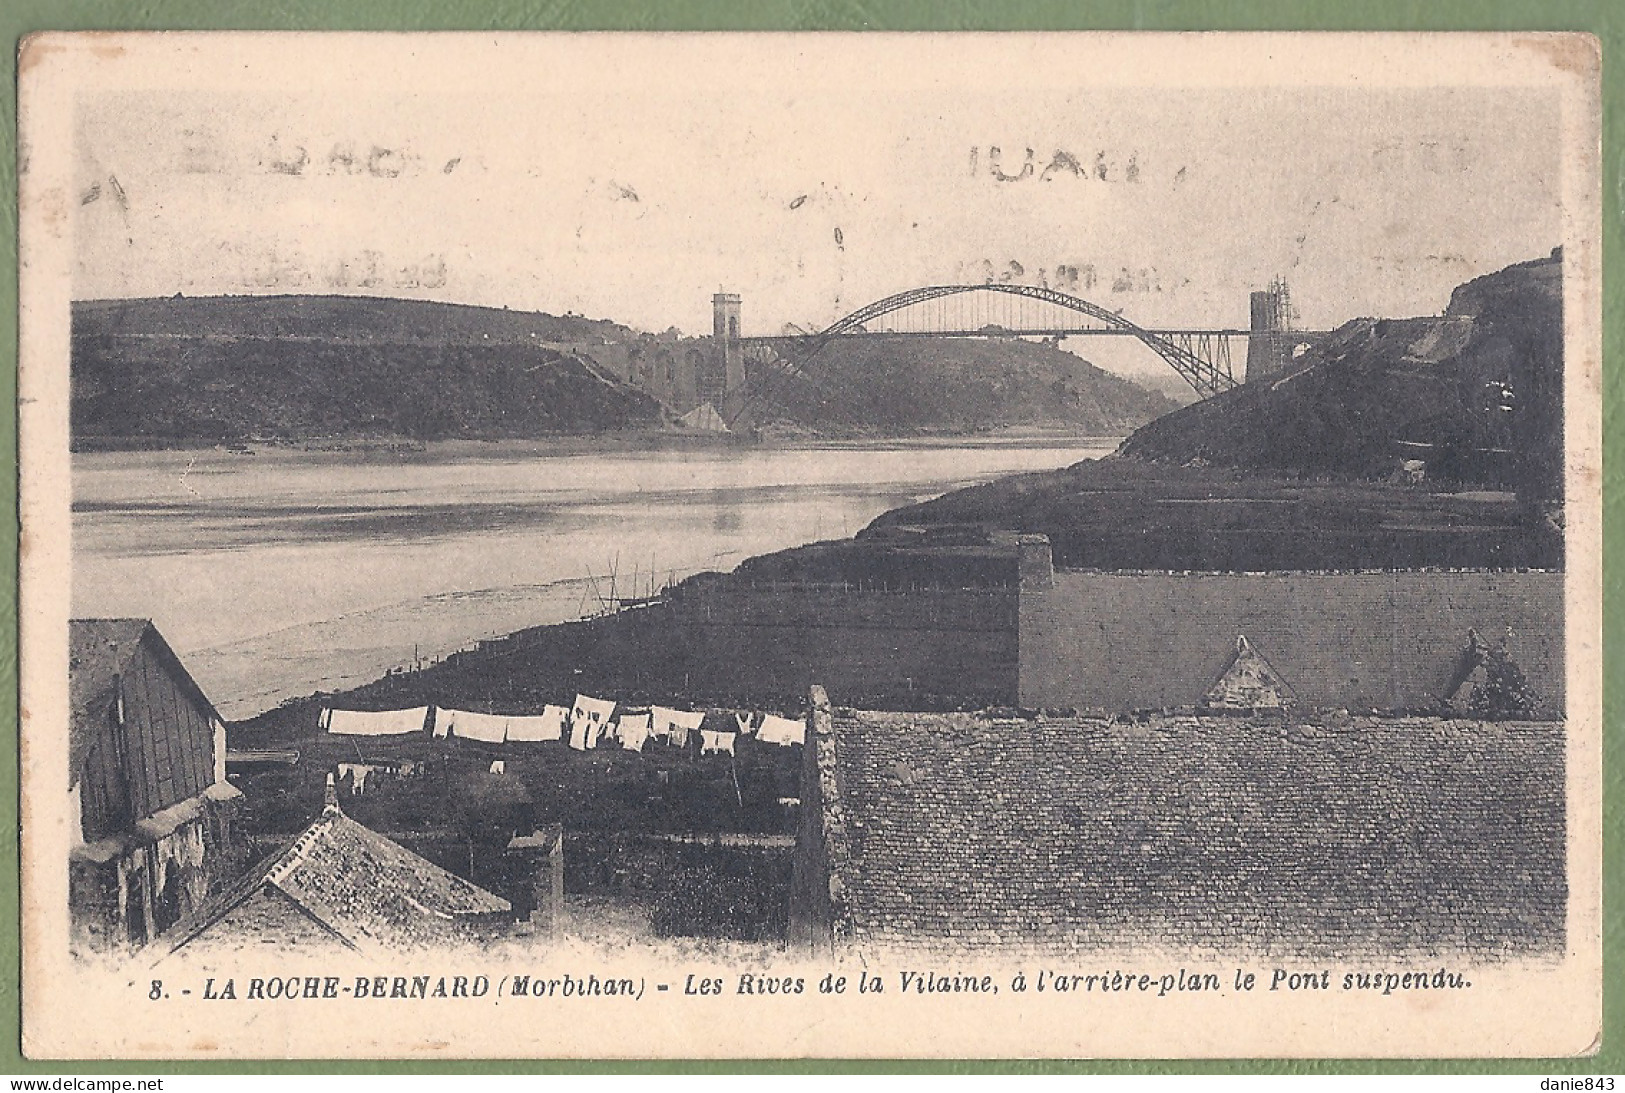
pixel 1123 514
pixel 900 385
pixel 297 368
pixel 342 318
pixel 210 391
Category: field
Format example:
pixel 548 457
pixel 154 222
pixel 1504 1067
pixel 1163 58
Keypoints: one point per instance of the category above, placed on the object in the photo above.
pixel 1120 513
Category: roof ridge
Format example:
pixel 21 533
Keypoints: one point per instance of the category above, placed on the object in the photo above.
pixel 296 852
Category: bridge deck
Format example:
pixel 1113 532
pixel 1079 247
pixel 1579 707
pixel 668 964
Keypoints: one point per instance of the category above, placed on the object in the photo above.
pixel 1044 332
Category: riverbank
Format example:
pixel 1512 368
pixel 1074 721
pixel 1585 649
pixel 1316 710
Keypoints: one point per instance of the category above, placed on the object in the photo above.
pixel 919 610
pixel 363 371
pixel 783 437
pixel 294 572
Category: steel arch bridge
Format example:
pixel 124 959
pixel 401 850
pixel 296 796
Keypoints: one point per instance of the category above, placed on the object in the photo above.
pixel 1201 357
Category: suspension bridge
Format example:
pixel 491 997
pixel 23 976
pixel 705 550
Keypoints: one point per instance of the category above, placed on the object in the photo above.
pixel 753 366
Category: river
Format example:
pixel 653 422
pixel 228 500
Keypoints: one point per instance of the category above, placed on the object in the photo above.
pixel 285 572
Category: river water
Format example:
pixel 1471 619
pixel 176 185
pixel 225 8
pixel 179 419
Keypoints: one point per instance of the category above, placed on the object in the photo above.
pixel 286 572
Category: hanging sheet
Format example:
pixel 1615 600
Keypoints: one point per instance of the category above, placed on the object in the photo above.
pixel 675 725
pixel 582 735
pixel 467 725
pixel 547 725
pixel 633 731
pixel 379 723
pixel 781 730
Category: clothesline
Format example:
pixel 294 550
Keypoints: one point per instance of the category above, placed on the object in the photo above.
pixel 588 723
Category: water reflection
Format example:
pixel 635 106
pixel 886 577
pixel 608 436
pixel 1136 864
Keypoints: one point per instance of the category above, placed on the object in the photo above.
pixel 297 571
pixel 727 514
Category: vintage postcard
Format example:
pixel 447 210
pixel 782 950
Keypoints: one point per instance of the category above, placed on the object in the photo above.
pixel 659 546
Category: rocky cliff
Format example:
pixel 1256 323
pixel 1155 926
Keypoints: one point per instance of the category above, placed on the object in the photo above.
pixel 1470 397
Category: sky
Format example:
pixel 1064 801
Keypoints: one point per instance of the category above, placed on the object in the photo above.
pixel 632 181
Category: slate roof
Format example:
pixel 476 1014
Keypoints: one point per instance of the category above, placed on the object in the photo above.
pixel 99 651
pixel 952 822
pixel 978 830
pixel 370 893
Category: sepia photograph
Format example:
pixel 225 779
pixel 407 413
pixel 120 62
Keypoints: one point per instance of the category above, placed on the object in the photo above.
pixel 767 545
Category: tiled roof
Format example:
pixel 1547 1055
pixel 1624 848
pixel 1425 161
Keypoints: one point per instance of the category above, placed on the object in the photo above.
pixel 369 891
pixel 978 829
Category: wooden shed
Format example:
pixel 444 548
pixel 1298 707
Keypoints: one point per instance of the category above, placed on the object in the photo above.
pixel 147 776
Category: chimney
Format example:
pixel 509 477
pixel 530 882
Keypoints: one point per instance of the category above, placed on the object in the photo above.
pixel 330 800
pixel 541 862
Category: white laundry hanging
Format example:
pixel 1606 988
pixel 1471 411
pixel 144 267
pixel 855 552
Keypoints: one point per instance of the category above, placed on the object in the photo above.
pixel 547 725
pixel 466 725
pixel 716 742
pixel 375 723
pixel 675 725
pixel 633 731
pixel 781 730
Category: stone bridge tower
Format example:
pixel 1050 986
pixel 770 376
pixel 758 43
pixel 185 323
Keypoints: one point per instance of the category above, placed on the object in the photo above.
pixel 730 355
pixel 1269 340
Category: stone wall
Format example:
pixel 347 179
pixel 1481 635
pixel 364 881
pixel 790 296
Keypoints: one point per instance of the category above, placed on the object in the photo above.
pixel 818 907
pixel 865 647
pixel 1385 641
